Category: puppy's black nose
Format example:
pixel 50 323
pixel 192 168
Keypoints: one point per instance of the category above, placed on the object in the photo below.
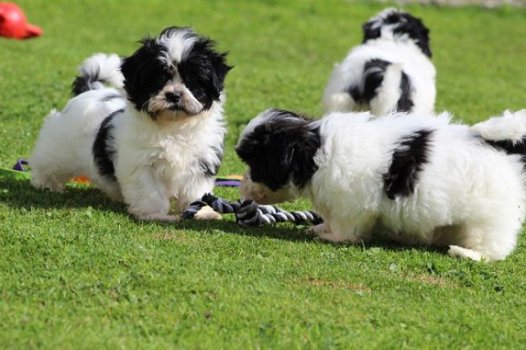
pixel 172 97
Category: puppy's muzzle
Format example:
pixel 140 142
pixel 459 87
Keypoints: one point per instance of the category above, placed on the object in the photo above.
pixel 173 97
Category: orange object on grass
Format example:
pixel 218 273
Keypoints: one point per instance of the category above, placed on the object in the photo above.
pixel 81 180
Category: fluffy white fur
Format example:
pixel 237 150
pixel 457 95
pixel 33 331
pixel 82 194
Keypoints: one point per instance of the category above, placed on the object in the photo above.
pixel 509 126
pixel 156 158
pixel 159 162
pixel 104 66
pixel 469 195
pixel 64 146
pixel 404 55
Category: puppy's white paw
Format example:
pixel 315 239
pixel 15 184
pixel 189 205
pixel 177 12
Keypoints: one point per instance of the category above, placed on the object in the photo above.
pixel 48 183
pixel 331 237
pixel 207 213
pixel 318 229
pixel 460 252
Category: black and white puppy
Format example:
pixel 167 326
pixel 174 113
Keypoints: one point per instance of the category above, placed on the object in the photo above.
pixel 161 137
pixel 420 178
pixel 390 71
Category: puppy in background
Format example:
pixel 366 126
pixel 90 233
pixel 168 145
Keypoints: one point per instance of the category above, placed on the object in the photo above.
pixel 418 177
pixel 156 134
pixel 390 71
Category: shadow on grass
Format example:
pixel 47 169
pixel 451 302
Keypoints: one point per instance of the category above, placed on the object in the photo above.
pixel 289 232
pixel 20 194
pixel 284 231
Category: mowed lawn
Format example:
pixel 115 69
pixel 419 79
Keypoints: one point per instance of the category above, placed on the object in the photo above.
pixel 77 272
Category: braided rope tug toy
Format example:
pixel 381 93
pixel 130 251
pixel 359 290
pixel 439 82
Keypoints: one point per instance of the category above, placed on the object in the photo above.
pixel 252 214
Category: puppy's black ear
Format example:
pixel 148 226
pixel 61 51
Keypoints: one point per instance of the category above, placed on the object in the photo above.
pixel 143 73
pixel 130 65
pixel 204 50
pixel 371 30
pixel 416 30
pixel 221 69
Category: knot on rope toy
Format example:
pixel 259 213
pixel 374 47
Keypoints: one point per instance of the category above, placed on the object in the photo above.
pixel 252 214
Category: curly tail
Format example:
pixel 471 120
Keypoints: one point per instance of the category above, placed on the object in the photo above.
pixel 506 132
pixel 96 71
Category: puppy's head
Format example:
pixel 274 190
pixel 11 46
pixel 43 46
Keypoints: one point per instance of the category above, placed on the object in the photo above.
pixel 392 23
pixel 177 74
pixel 279 148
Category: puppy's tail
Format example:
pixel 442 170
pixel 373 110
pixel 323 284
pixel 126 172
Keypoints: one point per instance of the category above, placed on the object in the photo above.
pixel 506 132
pixel 387 87
pixel 384 88
pixel 98 71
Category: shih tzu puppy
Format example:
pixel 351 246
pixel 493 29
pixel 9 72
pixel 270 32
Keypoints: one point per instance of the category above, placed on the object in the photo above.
pixel 390 71
pixel 418 178
pixel 144 130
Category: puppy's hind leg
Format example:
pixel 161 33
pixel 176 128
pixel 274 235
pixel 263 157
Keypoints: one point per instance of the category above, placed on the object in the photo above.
pixel 488 241
pixel 459 252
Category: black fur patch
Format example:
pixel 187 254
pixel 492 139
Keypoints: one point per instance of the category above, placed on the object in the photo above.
pixel 84 83
pixel 103 154
pixel 370 31
pixel 405 24
pixel 281 149
pixel 408 160
pixel 374 71
pixel 202 70
pixel 144 74
pixel 510 147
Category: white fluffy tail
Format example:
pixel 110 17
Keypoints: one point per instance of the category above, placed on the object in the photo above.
pixel 507 131
pixel 388 92
pixel 98 71
pixel 509 126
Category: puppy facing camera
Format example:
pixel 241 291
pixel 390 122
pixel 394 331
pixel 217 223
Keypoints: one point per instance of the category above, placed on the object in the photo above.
pixel 145 129
pixel 420 178
pixel 390 71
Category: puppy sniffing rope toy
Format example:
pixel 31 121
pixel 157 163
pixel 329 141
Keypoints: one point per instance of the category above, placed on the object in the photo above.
pixel 251 214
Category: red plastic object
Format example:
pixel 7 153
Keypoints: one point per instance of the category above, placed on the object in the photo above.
pixel 13 23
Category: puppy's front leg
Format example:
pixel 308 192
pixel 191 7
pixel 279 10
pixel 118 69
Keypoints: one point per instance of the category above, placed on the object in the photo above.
pixel 146 196
pixel 194 191
pixel 337 231
pixel 320 229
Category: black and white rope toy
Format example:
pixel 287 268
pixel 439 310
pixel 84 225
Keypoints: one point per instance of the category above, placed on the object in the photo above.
pixel 251 213
pixel 247 212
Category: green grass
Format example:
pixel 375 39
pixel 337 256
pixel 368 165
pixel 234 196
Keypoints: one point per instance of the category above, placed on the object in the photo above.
pixel 77 272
